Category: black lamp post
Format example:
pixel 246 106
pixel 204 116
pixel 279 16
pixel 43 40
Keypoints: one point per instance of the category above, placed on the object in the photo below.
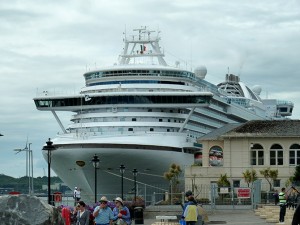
pixel 49 147
pixel 122 170
pixel 96 162
pixel 134 172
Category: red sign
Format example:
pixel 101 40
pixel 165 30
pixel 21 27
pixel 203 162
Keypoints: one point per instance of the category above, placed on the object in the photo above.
pixel 243 192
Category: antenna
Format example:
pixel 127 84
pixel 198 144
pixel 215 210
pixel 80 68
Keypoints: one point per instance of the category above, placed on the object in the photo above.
pixel 191 52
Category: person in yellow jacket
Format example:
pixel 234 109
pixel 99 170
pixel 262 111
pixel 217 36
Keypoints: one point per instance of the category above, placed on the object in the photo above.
pixel 282 204
pixel 191 213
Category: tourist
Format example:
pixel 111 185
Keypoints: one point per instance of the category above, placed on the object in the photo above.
pixel 190 213
pixel 292 199
pixel 76 195
pixel 296 217
pixel 66 215
pixel 83 215
pixel 282 204
pixel 121 213
pixel 187 195
pixel 74 214
pixel 102 213
pixel 276 197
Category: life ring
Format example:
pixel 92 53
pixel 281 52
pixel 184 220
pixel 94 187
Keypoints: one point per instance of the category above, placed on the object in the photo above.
pixel 57 197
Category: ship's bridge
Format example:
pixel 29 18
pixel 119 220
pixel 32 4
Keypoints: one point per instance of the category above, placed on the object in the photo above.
pixel 135 73
pixel 132 99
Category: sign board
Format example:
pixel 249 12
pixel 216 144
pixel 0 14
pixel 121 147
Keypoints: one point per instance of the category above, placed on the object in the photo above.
pixel 223 190
pixel 243 192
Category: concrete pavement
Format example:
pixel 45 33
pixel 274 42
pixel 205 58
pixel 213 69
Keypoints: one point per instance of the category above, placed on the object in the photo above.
pixel 230 217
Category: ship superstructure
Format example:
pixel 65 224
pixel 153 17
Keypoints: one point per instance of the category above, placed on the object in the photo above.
pixel 144 114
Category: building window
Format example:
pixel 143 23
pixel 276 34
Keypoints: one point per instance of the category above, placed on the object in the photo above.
pixel 130 129
pixel 151 129
pixel 216 156
pixel 236 183
pixel 276 155
pixel 257 155
pixel 276 183
pixel 294 155
pixel 133 119
pixel 160 120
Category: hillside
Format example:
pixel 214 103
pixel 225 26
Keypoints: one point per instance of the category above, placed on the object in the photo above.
pixel 8 183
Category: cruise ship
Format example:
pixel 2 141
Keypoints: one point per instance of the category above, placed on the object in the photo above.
pixel 144 114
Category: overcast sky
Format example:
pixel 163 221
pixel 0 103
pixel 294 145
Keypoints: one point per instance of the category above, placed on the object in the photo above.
pixel 49 44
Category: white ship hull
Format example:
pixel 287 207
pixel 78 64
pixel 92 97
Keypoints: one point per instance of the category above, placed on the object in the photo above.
pixel 151 162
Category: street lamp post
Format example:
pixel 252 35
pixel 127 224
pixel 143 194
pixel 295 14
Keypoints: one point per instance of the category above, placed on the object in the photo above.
pixel 49 147
pixel 96 162
pixel 134 172
pixel 122 170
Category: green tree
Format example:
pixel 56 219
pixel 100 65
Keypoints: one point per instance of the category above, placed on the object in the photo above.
pixel 173 176
pixel 223 181
pixel 296 177
pixel 250 176
pixel 269 175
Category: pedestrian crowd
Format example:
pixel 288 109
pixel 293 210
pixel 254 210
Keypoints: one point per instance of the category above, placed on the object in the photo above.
pixel 102 214
pixel 288 199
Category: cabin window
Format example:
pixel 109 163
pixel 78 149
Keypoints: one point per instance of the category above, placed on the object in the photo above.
pixel 284 109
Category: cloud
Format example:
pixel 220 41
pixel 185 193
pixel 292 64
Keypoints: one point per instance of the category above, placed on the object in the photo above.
pixel 49 45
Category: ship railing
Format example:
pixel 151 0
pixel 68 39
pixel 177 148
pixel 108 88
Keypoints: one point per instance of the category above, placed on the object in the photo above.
pixel 117 89
pixel 284 102
pixel 62 92
pixel 91 135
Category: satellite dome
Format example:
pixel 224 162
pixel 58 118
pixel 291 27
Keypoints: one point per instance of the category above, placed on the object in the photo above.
pixel 200 72
pixel 256 89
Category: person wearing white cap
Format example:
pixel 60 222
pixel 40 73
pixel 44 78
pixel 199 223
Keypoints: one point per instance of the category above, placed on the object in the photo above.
pixel 102 213
pixel 121 213
pixel 76 195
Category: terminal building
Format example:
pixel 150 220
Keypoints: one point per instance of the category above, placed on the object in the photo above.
pixel 256 145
